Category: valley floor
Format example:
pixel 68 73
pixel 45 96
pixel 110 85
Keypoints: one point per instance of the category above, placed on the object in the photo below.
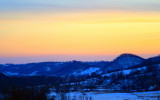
pixel 152 95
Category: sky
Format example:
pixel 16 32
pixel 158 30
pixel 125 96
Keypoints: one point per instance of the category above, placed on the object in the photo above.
pixel 87 30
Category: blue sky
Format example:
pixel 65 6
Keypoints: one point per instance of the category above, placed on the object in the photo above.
pixel 49 5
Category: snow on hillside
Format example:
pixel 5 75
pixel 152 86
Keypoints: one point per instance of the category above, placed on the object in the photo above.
pixel 10 73
pixel 48 68
pixel 33 73
pixel 125 72
pixel 88 71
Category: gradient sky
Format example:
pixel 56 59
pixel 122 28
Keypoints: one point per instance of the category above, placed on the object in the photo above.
pixel 60 30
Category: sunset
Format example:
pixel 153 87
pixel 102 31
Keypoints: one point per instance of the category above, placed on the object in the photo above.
pixel 79 49
pixel 35 29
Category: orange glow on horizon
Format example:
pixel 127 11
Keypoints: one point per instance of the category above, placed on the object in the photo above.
pixel 86 33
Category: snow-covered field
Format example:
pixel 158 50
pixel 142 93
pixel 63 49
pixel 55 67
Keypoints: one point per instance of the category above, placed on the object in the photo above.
pixel 106 96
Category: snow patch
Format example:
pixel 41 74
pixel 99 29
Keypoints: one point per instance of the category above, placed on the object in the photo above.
pixel 33 73
pixel 11 73
pixel 126 72
pixel 88 71
pixel 48 68
pixel 142 68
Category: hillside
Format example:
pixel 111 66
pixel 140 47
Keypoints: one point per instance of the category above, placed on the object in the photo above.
pixel 122 62
pixel 126 73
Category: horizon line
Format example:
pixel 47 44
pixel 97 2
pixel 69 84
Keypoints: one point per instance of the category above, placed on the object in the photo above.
pixel 66 58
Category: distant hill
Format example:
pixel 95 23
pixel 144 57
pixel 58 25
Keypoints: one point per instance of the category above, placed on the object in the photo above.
pixel 124 61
